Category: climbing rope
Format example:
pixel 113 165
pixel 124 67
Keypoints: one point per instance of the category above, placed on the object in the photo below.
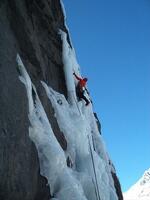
pixel 77 104
pixel 94 169
pixel 95 189
pixel 93 142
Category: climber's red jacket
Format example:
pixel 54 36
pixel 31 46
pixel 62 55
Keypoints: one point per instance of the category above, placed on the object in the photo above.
pixel 82 82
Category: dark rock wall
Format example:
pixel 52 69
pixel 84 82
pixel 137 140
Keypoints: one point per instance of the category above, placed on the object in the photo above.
pixel 30 28
pixel 117 186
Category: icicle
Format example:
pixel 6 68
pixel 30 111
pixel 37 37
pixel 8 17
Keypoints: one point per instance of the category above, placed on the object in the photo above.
pixel 68 68
pixel 24 77
pixel 63 184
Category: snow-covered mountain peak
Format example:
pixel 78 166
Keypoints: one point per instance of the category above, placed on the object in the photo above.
pixel 146 178
pixel 141 189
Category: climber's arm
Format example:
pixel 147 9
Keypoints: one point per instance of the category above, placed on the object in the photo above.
pixel 78 78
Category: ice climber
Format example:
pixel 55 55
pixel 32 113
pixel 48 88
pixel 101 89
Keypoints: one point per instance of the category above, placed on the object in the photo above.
pixel 80 89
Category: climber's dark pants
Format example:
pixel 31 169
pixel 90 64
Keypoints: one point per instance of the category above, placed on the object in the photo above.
pixel 80 95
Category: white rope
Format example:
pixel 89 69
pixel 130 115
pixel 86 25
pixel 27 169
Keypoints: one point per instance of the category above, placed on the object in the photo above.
pixel 95 189
pixel 77 105
pixel 96 182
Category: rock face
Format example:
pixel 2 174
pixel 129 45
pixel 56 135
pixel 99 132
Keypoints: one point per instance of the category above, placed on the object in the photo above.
pixel 117 186
pixel 30 28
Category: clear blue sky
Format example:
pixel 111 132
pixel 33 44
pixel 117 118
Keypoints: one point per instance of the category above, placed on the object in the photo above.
pixel 112 43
